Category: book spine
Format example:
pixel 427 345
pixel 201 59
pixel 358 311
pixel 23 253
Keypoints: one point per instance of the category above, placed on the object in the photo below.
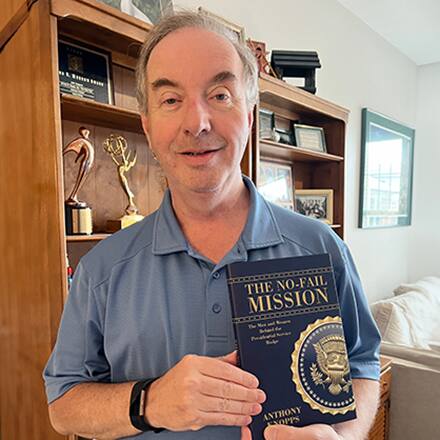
pixel 234 313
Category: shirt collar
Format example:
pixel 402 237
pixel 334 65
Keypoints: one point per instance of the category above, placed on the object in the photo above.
pixel 261 229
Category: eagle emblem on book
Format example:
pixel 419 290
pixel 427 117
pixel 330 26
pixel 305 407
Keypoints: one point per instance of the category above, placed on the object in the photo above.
pixel 333 363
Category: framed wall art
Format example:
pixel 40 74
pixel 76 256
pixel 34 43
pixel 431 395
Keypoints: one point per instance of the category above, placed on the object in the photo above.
pixel 386 172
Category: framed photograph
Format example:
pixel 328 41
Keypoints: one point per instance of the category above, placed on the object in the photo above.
pixel 386 172
pixel 316 203
pixel 310 138
pixel 237 29
pixel 150 11
pixel 267 123
pixel 85 71
pixel 275 183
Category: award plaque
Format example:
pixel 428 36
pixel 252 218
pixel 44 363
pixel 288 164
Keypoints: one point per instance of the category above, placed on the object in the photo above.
pixel 117 148
pixel 84 71
pixel 79 214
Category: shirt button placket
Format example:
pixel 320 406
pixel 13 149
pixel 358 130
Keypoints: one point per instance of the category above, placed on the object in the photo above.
pixel 216 297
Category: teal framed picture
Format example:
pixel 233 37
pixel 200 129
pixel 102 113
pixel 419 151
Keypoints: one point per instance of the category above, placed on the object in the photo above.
pixel 386 172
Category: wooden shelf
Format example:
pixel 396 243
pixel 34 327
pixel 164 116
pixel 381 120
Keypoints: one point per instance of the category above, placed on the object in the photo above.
pixel 74 108
pixel 281 94
pixel 117 27
pixel 93 237
pixel 270 149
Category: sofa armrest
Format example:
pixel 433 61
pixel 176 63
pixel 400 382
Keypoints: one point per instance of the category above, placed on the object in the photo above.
pixel 422 357
pixel 415 394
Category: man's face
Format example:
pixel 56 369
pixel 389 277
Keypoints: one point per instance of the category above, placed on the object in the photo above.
pixel 197 121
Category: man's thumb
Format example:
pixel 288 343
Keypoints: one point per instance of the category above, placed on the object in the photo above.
pixel 230 358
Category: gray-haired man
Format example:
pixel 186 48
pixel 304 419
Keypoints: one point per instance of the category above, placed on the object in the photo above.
pixel 151 301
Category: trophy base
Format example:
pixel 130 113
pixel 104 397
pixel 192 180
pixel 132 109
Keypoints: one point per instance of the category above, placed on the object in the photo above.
pixel 123 222
pixel 78 219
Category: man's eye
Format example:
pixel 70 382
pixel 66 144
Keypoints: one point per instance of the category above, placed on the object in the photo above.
pixel 221 97
pixel 170 101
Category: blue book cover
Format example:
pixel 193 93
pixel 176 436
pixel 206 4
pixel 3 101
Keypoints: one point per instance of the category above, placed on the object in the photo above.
pixel 289 334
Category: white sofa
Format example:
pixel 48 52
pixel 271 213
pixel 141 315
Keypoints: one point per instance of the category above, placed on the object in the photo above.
pixel 410 326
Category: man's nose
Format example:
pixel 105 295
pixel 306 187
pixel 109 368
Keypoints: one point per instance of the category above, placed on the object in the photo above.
pixel 197 119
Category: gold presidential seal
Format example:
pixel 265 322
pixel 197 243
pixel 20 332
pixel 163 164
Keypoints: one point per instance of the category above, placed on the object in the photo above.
pixel 320 369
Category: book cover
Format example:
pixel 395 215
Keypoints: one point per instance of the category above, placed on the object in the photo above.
pixel 289 334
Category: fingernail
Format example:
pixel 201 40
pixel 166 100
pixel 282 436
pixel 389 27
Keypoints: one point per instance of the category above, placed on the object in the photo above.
pixel 256 409
pixel 261 397
pixel 269 434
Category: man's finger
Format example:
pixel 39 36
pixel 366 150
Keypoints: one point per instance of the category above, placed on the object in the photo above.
pixel 246 433
pixel 216 404
pixel 224 419
pixel 211 386
pixel 279 432
pixel 283 432
pixel 223 370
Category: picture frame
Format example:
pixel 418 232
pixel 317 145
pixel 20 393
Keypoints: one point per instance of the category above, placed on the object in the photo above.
pixel 266 123
pixel 309 137
pixel 275 183
pixel 315 203
pixel 235 28
pixel 386 178
pixel 150 11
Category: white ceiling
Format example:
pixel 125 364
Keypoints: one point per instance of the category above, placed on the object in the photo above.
pixel 412 26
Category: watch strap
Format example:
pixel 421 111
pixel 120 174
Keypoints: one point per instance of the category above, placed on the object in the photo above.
pixel 137 406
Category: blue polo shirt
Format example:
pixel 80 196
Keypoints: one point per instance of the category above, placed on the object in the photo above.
pixel 143 298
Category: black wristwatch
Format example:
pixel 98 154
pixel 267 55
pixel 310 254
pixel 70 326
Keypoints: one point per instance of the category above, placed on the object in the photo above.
pixel 137 406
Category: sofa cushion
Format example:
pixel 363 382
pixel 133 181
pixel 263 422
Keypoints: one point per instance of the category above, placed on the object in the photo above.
pixel 410 318
pixel 425 285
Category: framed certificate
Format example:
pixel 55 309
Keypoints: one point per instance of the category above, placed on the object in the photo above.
pixel 310 138
pixel 84 71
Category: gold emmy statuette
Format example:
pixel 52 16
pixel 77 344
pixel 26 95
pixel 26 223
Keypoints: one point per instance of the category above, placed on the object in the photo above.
pixel 78 213
pixel 117 147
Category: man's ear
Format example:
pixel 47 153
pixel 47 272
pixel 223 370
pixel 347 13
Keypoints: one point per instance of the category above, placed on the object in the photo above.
pixel 250 117
pixel 144 119
pixel 145 126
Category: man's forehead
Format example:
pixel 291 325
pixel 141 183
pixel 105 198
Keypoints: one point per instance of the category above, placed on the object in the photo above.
pixel 199 51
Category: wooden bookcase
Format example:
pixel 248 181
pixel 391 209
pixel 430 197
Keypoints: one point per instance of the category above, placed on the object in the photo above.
pixel 311 169
pixel 36 123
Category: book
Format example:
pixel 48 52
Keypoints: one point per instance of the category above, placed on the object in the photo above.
pixel 289 334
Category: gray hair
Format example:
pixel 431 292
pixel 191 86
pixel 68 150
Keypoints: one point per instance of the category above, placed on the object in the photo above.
pixel 184 19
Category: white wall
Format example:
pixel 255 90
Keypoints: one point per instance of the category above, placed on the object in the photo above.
pixel 359 69
pixel 425 242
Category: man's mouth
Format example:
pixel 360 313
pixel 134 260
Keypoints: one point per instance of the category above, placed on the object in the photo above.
pixel 199 153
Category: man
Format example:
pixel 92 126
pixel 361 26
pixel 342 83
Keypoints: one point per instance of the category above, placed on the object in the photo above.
pixel 151 302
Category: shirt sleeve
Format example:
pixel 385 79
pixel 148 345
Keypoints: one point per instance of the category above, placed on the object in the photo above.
pixel 78 355
pixel 361 333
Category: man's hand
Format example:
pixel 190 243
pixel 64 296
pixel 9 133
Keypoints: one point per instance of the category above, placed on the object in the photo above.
pixel 312 432
pixel 200 391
